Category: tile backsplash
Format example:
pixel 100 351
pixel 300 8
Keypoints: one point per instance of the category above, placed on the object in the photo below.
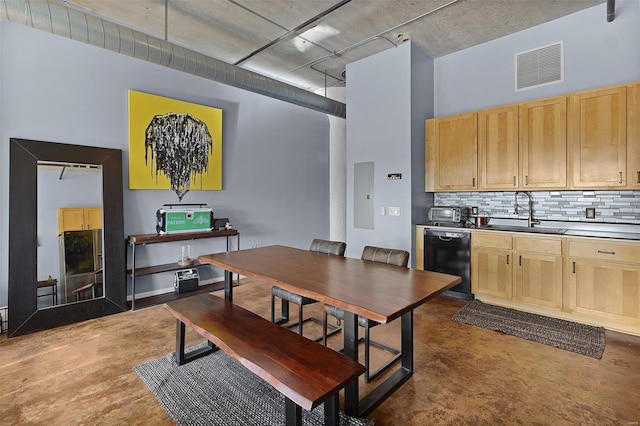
pixel 610 206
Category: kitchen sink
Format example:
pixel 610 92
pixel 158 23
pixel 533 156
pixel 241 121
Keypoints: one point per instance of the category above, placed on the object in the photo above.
pixel 534 230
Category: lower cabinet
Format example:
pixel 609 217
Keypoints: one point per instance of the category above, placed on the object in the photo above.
pixel 603 280
pixel 520 268
pixel 589 280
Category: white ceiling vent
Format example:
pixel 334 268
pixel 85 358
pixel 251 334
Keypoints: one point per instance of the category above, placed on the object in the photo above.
pixel 539 67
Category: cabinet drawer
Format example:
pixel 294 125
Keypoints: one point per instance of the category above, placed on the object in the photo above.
pixel 604 250
pixel 492 240
pixel 538 245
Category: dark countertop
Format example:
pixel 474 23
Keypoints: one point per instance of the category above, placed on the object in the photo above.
pixel 570 229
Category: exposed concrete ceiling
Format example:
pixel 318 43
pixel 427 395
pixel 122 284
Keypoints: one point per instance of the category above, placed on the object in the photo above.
pixel 308 43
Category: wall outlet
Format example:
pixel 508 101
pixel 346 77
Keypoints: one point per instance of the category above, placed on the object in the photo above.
pixel 590 213
pixel 394 211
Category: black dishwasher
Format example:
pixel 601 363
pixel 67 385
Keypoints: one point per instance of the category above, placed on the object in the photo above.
pixel 449 251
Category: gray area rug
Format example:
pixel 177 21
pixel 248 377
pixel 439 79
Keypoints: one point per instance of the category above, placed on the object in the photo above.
pixel 217 390
pixel 568 335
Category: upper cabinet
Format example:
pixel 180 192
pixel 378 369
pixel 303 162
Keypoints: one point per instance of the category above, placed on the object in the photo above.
pixel 79 219
pixel 598 138
pixel 585 140
pixel 452 143
pixel 498 148
pixel 543 144
pixel 633 136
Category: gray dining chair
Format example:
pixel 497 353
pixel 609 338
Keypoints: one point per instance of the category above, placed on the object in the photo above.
pixel 336 248
pixel 375 254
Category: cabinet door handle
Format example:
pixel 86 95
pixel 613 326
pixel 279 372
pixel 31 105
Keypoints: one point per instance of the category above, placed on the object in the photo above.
pixel 507 259
pixel 519 260
pixel 473 182
pixel 620 179
pixel 526 180
pixel 606 252
pixel 514 181
pixel 638 181
pixel 574 267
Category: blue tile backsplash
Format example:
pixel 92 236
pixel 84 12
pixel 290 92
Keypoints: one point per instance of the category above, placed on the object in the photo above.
pixel 611 206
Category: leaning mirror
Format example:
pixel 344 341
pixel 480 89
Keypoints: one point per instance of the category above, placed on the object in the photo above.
pixel 66 250
pixel 70 237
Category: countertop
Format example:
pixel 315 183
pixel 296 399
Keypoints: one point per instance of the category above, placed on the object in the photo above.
pixel 556 228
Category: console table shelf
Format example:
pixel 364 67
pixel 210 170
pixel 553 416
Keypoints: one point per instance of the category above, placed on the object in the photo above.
pixel 143 239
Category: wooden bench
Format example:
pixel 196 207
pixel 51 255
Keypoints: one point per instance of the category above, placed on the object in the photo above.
pixel 305 372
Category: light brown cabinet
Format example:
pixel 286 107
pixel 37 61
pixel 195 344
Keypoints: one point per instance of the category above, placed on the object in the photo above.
pixel 451 153
pixel 521 268
pixel 538 271
pixel 598 138
pixel 498 148
pixel 79 219
pixel 543 144
pixel 633 136
pixel 604 280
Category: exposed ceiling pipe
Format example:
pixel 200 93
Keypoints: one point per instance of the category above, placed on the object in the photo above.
pixel 611 10
pixel 369 39
pixel 293 31
pixel 71 23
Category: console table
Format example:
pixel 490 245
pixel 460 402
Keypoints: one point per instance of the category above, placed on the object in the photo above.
pixel 144 239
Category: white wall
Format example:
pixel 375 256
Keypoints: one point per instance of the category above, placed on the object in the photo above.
pixel 596 54
pixel 275 154
pixel 384 127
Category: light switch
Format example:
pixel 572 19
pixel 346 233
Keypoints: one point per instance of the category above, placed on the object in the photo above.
pixel 394 211
pixel 590 213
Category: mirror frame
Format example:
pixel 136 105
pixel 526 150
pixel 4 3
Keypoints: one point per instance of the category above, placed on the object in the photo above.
pixel 25 317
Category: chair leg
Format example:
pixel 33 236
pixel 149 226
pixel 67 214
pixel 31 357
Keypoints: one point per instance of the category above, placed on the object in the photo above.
pixel 300 319
pixel 324 329
pixel 284 309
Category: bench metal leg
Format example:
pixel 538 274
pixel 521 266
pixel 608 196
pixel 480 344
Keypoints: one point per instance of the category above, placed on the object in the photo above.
pixel 332 411
pixel 180 355
pixel 293 413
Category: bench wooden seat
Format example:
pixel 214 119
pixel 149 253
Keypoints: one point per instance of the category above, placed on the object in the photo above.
pixel 305 372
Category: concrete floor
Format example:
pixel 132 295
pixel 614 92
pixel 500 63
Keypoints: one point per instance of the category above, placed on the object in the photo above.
pixel 83 373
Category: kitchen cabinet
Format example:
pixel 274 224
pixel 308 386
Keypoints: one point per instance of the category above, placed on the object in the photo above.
pixel 520 268
pixel 498 148
pixel 633 136
pixel 598 138
pixel 491 264
pixel 538 269
pixel 543 144
pixel 604 281
pixel 79 219
pixel 451 153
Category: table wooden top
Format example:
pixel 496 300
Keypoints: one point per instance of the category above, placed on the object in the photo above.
pixel 304 371
pixel 376 291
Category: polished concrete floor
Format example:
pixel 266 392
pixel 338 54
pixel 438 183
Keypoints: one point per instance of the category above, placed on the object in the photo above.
pixel 83 374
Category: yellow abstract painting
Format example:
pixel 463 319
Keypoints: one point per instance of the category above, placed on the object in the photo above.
pixel 173 144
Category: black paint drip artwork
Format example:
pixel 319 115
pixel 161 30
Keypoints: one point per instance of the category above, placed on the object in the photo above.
pixel 180 145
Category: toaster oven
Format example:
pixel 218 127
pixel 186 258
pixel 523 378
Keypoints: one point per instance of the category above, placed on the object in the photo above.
pixel 445 214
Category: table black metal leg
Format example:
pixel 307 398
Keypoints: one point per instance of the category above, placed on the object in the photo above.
pixel 350 336
pixel 293 413
pixel 228 286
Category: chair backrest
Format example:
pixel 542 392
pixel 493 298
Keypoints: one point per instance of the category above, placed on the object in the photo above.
pixel 386 255
pixel 328 247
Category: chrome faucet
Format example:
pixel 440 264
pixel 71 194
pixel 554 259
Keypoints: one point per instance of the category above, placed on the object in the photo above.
pixel 517 208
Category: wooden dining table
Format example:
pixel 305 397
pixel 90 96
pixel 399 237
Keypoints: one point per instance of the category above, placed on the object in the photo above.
pixel 373 290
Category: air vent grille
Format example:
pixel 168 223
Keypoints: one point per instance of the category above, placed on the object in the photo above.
pixel 539 67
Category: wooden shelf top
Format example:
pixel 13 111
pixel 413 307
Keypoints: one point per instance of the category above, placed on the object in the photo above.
pixel 157 238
